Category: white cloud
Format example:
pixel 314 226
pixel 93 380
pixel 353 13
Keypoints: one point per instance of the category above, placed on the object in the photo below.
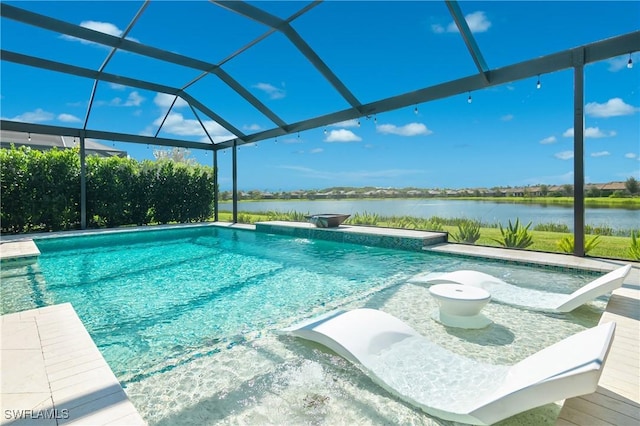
pixel 342 135
pixel 176 124
pixel 411 129
pixel 595 132
pixel 316 151
pixel 252 127
pixel 68 118
pixel 164 100
pixel 271 90
pixel 600 154
pixel 116 86
pixel 614 107
pixel 103 27
pixel 590 132
pixel 36 116
pixel 564 155
pixel 347 123
pixel 134 99
pixel 477 22
pixel 437 28
pixel 548 140
pixel 290 140
pixel 507 117
pixel 630 155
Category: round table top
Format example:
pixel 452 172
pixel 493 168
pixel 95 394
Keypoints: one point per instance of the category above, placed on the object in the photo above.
pixel 459 292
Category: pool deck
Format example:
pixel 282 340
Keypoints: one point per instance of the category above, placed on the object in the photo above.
pixel 49 361
pixel 53 373
pixel 617 399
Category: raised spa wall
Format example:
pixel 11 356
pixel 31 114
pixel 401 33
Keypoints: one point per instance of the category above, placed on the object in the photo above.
pixel 402 239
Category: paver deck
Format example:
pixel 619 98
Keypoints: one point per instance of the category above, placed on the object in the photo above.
pixel 53 373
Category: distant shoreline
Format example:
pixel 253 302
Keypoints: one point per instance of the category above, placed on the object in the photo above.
pixel 604 202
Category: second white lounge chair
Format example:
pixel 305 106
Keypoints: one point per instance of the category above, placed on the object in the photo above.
pixel 452 387
pixel 529 298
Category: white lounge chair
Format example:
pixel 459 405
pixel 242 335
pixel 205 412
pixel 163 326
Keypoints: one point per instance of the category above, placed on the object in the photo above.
pixel 528 298
pixel 452 387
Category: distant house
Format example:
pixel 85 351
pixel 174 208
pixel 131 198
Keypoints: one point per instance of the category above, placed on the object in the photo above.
pixel 47 142
pixel 486 192
pixel 533 191
pixel 611 187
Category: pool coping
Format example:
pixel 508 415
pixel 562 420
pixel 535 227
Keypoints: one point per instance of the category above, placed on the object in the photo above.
pixel 522 257
pixel 53 373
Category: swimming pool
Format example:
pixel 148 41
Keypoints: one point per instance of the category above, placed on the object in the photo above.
pixel 185 319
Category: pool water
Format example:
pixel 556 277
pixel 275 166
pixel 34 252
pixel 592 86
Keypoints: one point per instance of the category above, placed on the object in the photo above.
pixel 186 319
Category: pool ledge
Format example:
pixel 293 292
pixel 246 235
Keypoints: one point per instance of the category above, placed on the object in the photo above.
pixel 532 258
pixel 53 373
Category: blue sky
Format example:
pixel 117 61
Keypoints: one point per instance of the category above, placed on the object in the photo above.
pixel 514 134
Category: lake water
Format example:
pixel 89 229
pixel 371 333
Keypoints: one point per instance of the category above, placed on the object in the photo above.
pixel 484 211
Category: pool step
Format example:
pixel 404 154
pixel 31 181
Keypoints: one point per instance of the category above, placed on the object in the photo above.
pixel 18 252
pixel 403 239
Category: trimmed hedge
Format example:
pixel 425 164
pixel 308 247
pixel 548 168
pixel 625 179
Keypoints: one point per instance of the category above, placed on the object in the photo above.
pixel 41 191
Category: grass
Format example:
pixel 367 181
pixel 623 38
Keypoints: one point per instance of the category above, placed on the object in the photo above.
pixel 612 247
pixel 633 202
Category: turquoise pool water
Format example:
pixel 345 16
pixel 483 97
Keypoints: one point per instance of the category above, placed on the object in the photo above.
pixel 188 315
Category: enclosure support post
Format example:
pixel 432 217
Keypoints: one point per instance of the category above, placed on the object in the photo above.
pixel 578 152
pixel 216 194
pixel 83 185
pixel 234 172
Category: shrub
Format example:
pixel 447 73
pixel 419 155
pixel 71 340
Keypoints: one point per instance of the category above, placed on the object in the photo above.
pixel 515 236
pixel 634 248
pixel 41 190
pixel 468 232
pixel 551 227
pixel 290 216
pixel 363 219
pixel 599 230
pixel 567 244
pixel 404 222
pixel 244 218
pixel 432 226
